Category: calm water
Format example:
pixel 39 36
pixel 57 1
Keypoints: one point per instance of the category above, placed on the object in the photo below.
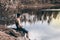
pixel 45 27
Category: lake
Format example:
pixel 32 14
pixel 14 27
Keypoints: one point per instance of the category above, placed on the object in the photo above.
pixel 45 27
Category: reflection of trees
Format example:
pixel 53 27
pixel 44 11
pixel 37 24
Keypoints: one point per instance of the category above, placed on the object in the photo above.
pixel 49 15
pixel 43 16
pixel 55 14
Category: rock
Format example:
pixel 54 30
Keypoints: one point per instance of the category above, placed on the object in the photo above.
pixel 4 36
pixel 11 34
pixel 22 38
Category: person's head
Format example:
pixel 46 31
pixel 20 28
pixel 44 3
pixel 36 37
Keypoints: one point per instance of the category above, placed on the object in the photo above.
pixel 18 15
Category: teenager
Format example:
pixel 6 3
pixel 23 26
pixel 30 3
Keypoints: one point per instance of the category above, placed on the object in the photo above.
pixel 20 26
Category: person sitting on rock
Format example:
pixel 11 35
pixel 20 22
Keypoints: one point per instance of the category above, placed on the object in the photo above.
pixel 20 26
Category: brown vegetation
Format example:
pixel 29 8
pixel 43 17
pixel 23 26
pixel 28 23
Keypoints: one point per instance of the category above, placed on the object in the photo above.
pixel 8 8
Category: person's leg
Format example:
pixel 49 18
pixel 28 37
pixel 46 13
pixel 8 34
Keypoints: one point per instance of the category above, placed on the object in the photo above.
pixel 25 32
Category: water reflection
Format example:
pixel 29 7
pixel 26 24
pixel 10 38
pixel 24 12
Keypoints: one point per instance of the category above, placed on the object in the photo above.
pixel 43 31
pixel 40 30
pixel 42 16
pixel 30 17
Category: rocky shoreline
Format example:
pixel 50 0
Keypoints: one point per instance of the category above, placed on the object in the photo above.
pixel 11 34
